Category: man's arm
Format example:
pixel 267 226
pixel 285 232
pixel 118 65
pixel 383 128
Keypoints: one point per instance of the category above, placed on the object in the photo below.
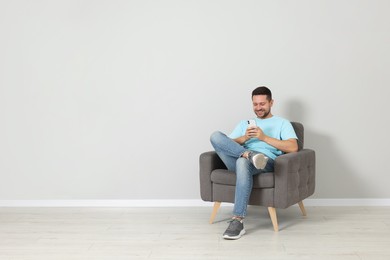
pixel 241 140
pixel 287 146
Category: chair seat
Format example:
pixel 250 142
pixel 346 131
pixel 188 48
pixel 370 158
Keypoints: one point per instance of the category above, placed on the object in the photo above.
pixel 262 180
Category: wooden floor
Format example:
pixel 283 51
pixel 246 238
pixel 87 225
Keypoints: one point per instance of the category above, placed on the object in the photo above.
pixel 184 233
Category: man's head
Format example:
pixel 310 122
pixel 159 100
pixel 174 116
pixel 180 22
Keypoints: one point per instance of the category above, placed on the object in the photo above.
pixel 262 102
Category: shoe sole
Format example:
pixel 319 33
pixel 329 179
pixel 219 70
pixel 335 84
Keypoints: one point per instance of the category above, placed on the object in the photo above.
pixel 260 161
pixel 234 237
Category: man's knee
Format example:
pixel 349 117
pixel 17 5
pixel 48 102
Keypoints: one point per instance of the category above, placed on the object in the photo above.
pixel 242 163
pixel 243 173
pixel 216 137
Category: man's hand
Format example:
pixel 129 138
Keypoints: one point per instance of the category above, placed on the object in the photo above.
pixel 249 133
pixel 255 132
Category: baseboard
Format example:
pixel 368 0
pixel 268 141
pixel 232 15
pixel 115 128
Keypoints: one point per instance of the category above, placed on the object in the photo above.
pixel 347 202
pixel 176 203
pixel 104 203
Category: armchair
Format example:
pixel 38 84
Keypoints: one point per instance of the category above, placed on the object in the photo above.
pixel 292 181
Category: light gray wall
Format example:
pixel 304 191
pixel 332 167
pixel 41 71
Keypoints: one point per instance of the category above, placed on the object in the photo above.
pixel 116 99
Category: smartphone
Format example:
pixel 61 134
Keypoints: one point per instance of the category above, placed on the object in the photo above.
pixel 251 123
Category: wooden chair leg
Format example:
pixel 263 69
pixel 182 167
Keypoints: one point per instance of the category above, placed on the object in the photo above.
pixel 215 210
pixel 274 219
pixel 302 208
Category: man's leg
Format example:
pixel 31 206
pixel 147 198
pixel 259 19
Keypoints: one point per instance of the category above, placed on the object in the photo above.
pixel 227 149
pixel 244 183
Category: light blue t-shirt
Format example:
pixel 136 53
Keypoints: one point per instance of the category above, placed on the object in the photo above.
pixel 275 127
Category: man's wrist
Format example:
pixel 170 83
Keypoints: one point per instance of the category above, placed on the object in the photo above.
pixel 265 139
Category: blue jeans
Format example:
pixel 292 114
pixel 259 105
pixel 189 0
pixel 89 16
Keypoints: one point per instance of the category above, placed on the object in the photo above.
pixel 230 153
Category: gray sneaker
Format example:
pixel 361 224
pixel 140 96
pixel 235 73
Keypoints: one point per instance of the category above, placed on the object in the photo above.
pixel 259 160
pixel 235 230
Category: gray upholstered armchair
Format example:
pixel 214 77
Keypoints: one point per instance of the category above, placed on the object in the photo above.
pixel 292 181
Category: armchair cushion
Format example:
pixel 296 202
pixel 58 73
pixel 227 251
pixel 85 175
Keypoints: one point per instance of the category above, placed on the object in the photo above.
pixel 222 176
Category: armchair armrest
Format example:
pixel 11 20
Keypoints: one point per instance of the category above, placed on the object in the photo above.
pixel 208 162
pixel 294 177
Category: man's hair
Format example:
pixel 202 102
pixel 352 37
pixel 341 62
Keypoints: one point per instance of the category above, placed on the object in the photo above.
pixel 262 91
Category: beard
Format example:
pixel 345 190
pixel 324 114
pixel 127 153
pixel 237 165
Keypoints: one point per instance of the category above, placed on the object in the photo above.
pixel 262 113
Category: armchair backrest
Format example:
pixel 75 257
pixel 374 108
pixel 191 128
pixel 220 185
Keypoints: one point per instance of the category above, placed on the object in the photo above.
pixel 299 131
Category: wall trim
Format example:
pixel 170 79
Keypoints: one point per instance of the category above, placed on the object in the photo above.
pixel 347 202
pixel 104 203
pixel 176 203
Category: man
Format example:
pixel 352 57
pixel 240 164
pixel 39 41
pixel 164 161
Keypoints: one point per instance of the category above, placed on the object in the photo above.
pixel 251 150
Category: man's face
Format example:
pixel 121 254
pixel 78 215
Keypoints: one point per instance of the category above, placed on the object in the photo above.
pixel 262 106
